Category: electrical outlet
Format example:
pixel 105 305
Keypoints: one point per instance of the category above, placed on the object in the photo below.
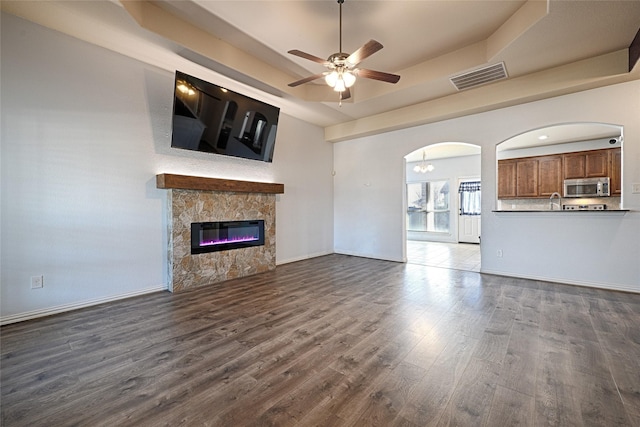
pixel 499 253
pixel 37 282
pixel 635 188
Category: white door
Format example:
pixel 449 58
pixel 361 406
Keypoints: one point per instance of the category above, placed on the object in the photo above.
pixel 469 215
pixel 469 228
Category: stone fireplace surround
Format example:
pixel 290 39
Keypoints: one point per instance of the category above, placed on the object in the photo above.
pixel 199 199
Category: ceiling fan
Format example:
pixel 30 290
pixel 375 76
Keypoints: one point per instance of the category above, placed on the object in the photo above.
pixel 342 67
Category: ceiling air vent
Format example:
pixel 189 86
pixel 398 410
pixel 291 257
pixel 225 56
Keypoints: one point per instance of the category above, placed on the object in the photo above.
pixel 480 76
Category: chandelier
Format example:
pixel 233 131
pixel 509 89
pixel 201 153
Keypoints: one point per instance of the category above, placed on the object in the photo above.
pixel 423 167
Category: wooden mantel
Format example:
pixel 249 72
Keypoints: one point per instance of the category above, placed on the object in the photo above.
pixel 185 182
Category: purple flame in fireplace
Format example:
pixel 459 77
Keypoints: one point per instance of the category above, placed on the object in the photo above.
pixel 224 235
pixel 229 240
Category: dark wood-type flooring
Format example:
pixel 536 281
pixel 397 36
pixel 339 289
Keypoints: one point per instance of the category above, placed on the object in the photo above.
pixel 333 341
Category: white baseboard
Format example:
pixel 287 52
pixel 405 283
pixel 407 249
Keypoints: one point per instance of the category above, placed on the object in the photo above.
pixel 598 285
pixel 21 317
pixel 302 258
pixel 369 256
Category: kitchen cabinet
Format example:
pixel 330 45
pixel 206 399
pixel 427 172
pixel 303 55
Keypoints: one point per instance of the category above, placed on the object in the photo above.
pixel 596 163
pixel 541 176
pixel 517 178
pixel 506 179
pixel 587 164
pixel 549 175
pixel 615 167
pixel 573 165
pixel 527 178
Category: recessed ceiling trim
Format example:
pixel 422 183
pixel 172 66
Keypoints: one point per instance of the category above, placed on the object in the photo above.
pixel 583 75
pixel 480 76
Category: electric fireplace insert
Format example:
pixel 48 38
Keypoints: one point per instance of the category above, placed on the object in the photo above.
pixel 226 235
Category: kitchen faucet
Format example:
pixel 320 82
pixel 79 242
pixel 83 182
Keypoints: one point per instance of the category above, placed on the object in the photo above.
pixel 559 201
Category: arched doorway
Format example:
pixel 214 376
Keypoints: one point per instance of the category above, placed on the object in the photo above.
pixel 443 191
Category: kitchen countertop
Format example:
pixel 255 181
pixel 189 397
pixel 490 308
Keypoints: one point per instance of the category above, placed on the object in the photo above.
pixel 561 211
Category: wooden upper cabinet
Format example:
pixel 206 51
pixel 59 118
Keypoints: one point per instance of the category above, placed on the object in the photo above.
pixel 615 167
pixel 597 163
pixel 573 165
pixel 527 178
pixel 549 175
pixel 541 176
pixel 586 164
pixel 506 179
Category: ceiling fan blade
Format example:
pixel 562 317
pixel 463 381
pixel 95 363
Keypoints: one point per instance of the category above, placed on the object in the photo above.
pixel 306 80
pixel 378 75
pixel 364 52
pixel 308 56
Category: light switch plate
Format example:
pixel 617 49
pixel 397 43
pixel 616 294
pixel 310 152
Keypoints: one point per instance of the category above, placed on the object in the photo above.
pixel 635 188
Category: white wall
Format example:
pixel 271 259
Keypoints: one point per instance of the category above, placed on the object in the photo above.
pixel 304 213
pixel 84 132
pixel 586 249
pixel 369 199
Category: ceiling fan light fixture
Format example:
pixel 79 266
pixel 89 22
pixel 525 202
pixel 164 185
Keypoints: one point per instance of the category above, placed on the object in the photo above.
pixel 340 80
pixel 342 73
pixel 332 78
pixel 185 88
pixel 349 78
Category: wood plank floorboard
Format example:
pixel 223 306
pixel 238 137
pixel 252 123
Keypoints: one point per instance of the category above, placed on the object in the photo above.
pixel 333 341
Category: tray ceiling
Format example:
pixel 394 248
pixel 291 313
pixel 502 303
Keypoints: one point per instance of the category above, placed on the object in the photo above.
pixel 548 48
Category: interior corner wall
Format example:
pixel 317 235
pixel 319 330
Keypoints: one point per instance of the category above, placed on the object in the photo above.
pixel 590 250
pixel 84 132
pixel 304 213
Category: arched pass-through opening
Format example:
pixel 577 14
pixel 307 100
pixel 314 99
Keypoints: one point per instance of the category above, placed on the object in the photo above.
pixel 540 169
pixel 442 205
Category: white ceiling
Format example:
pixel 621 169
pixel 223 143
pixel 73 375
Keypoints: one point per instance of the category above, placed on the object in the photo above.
pixel 426 42
pixel 561 134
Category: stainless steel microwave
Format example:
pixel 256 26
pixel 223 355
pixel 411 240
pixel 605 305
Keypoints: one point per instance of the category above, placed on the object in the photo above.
pixel 587 187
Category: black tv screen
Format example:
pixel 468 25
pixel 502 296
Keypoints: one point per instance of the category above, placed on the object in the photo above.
pixel 212 119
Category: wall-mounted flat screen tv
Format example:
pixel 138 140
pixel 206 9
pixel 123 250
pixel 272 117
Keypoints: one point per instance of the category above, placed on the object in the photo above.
pixel 212 119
